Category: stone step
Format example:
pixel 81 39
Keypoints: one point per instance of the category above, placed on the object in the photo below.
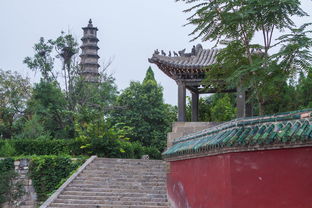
pixel 54 205
pixel 89 189
pixel 27 206
pixel 119 173
pixel 112 194
pixel 141 198
pixel 118 186
pixel 126 169
pixel 121 179
pixel 133 188
pixel 117 183
pixel 108 201
pixel 127 161
pixel 141 165
pixel 144 163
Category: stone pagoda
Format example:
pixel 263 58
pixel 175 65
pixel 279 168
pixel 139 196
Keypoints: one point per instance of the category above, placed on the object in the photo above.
pixel 89 54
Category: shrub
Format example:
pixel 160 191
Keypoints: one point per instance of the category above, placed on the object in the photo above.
pixel 47 173
pixel 6 149
pixel 102 147
pixel 41 147
pixel 153 153
pixel 33 128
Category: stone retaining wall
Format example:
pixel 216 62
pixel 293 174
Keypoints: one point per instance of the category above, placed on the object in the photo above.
pixel 30 198
pixel 180 129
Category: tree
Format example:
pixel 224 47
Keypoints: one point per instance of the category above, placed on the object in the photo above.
pixel 48 103
pixel 55 109
pixel 100 96
pixel 42 60
pixel 304 91
pixel 243 63
pixel 14 93
pixel 217 107
pixel 66 47
pixel 145 112
pixel 33 129
pixel 223 109
pixel 204 109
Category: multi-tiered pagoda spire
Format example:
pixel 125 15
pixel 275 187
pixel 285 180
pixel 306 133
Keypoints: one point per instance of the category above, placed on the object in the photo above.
pixel 89 57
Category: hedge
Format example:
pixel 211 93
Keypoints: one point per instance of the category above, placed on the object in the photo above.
pixel 48 173
pixel 72 147
pixel 42 147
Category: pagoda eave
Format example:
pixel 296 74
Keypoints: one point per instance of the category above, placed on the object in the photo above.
pixel 89 37
pixel 91 46
pixel 90 28
pixel 90 72
pixel 90 64
pixel 89 55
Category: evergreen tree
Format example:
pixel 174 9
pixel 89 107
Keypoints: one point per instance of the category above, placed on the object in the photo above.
pixel 145 112
pixel 48 103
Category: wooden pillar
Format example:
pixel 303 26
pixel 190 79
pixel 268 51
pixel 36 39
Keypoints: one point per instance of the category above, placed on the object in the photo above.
pixel 241 102
pixel 181 102
pixel 195 98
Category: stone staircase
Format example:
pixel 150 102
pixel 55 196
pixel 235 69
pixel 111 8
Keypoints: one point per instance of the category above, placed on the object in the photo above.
pixel 114 183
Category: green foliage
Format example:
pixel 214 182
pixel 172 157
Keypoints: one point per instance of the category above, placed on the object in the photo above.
pixel 10 190
pixel 66 47
pixel 42 60
pixel 101 139
pixel 223 110
pixel 48 107
pixel 204 109
pixel 33 129
pixel 92 100
pixel 14 93
pixel 39 147
pixel 245 64
pixel 146 113
pixel 6 149
pixel 303 92
pixel 135 150
pixel 6 168
pixel 101 146
pixel 48 171
pixel 217 107
pixel 295 55
pixel 218 19
pixel 153 153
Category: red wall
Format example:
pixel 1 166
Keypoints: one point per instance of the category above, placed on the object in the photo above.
pixel 260 179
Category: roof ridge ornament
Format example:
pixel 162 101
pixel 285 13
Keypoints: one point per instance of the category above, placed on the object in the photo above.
pixel 198 48
pixel 90 23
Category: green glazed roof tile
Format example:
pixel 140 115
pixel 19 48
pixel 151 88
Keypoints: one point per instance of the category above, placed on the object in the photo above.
pixel 284 128
pixel 241 139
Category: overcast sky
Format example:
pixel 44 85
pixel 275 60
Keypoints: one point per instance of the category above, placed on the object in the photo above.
pixel 129 32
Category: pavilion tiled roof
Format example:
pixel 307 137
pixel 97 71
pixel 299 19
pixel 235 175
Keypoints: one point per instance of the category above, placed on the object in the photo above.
pixel 285 130
pixel 195 62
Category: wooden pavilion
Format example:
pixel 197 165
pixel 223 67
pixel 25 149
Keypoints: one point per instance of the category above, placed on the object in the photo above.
pixel 188 70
